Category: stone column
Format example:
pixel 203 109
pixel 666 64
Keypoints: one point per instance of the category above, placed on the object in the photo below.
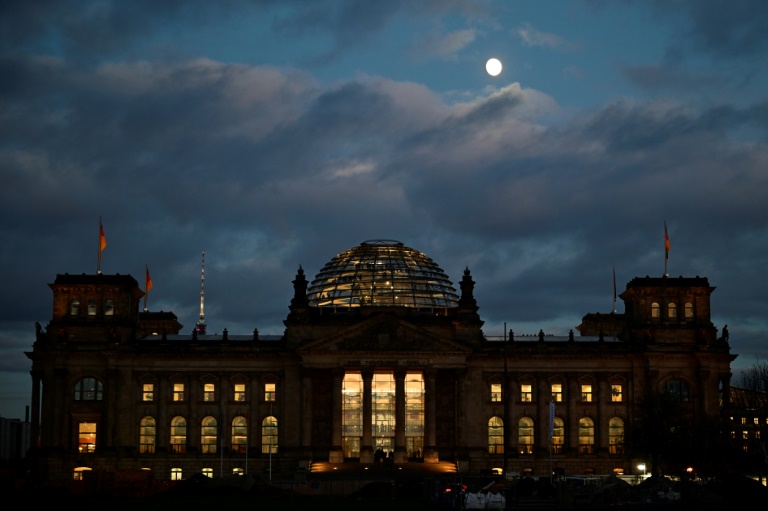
pixel 366 449
pixel 306 410
pixel 401 455
pixel 337 453
pixel 430 416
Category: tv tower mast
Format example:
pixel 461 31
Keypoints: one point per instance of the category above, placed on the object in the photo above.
pixel 200 327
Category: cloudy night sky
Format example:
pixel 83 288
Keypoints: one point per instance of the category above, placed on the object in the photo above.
pixel 273 134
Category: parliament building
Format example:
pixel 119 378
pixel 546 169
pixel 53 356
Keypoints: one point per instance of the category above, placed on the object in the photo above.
pixel 382 360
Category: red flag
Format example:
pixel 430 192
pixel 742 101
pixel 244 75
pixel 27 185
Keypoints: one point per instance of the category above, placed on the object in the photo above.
pixel 102 238
pixel 149 282
pixel 666 242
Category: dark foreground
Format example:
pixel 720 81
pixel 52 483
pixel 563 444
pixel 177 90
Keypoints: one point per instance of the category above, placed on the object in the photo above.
pixel 203 494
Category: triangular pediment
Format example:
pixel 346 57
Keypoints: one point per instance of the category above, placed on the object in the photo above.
pixel 385 333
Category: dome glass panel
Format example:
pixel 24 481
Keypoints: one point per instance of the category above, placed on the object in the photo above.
pixel 382 273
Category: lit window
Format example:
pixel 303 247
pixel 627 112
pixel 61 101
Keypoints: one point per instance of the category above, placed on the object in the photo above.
pixel 745 435
pixel 208 472
pixel 756 421
pixel 148 392
pixel 655 310
pixel 79 472
pixel 525 435
pixel 74 308
pixel 208 435
pixel 109 308
pixel 91 308
pixel 147 435
pixel 495 435
pixel 617 395
pixel 558 435
pixel 239 392
pixel 689 310
pixel 178 435
pixel 270 391
pixel 495 392
pixel 209 392
pixel 526 392
pixel 176 474
pixel 586 393
pixel 269 435
pixel 757 434
pixel 88 389
pixel 239 440
pixel 743 421
pixel 586 436
pixel 178 392
pixel 672 310
pixel 615 436
pixel 237 471
pixel 557 392
pixel 86 438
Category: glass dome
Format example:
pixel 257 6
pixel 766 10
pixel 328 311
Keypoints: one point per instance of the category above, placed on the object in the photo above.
pixel 383 273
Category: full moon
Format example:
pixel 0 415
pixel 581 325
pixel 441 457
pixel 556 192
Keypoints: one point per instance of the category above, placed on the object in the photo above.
pixel 493 66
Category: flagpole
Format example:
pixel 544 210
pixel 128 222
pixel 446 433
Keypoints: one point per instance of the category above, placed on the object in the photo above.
pixel 614 290
pixel 666 249
pixel 505 395
pixel 101 237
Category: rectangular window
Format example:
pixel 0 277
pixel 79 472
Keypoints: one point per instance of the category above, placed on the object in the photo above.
pixel 239 392
pixel 586 393
pixel 756 420
pixel 209 392
pixel 496 392
pixel 270 391
pixel 526 393
pixel 176 474
pixel 178 392
pixel 557 392
pixel 148 392
pixel 86 437
pixel 208 472
pixel 617 395
pixel 238 471
pixel 745 435
pixel 743 421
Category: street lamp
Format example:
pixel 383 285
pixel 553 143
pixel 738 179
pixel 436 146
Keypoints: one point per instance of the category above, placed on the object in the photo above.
pixel 641 466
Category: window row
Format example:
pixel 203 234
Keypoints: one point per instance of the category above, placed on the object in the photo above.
pixel 176 472
pixel 108 308
pixel 586 395
pixel 210 437
pixel 210 392
pixel 526 435
pixel 671 310
pixel 677 388
pixel 91 389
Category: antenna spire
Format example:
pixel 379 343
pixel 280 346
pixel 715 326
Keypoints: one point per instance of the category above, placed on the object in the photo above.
pixel 200 327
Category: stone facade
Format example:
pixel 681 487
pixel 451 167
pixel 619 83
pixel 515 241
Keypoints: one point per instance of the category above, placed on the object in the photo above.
pixel 108 390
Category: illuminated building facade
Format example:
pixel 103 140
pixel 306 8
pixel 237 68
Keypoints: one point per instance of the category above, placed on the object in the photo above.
pixel 381 357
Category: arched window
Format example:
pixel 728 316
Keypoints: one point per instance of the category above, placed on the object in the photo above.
pixel 178 435
pixel 678 389
pixel 88 389
pixel 672 310
pixel 208 435
pixel 495 435
pixel 655 310
pixel 239 441
pixel 74 308
pixel 269 435
pixel 79 471
pixel 586 436
pixel 558 436
pixel 91 308
pixel 147 435
pixel 109 308
pixel 615 436
pixel 688 310
pixel 525 435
